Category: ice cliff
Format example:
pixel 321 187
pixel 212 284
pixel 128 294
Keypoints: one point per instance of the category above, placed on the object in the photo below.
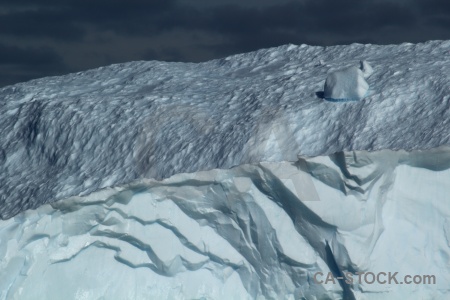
pixel 256 231
pixel 264 182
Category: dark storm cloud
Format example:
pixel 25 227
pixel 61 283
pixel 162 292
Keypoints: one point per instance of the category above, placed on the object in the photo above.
pixel 436 13
pixel 212 29
pixel 22 64
pixel 435 6
pixel 130 17
pixel 46 23
pixel 317 22
pixel 12 55
pixel 140 17
pixel 65 19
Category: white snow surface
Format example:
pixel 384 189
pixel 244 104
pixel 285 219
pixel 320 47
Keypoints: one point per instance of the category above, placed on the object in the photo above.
pixel 256 231
pixel 347 84
pixel 74 134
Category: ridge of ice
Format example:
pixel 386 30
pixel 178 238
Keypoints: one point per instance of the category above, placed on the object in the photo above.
pixel 71 135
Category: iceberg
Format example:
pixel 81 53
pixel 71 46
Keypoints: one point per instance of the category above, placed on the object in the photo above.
pixel 230 179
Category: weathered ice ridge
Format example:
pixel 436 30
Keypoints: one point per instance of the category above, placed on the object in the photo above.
pixel 259 231
pixel 74 134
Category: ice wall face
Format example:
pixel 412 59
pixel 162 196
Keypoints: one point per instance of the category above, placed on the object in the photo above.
pixel 71 135
pixel 252 231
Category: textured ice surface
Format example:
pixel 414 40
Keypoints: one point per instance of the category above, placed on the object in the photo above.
pixel 71 135
pixel 347 84
pixel 251 232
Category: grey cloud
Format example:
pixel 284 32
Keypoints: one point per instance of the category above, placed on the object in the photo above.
pixel 38 24
pixel 21 64
pixel 13 55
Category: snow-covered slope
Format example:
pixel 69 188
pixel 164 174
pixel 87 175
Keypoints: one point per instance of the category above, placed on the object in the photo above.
pixel 251 232
pixel 71 135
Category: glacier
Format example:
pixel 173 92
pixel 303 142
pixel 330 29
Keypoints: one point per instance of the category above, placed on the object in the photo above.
pixel 228 179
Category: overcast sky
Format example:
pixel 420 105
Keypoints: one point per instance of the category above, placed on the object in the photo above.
pixel 50 37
